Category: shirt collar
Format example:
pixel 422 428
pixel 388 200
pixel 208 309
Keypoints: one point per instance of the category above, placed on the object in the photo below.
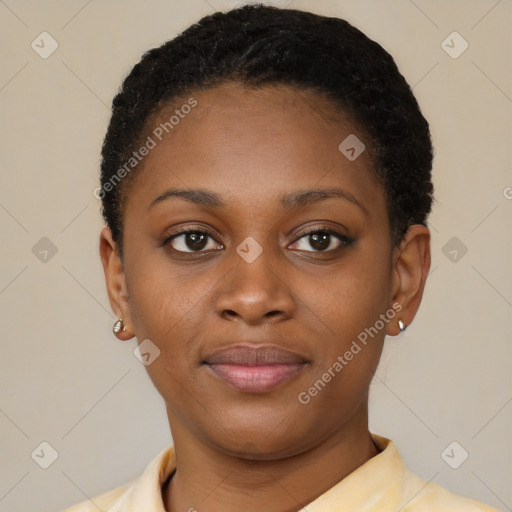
pixel 145 493
pixel 376 485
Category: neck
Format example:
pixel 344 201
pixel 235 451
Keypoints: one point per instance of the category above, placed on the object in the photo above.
pixel 209 479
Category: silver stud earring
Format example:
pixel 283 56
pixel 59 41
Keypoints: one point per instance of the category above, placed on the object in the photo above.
pixel 401 326
pixel 118 326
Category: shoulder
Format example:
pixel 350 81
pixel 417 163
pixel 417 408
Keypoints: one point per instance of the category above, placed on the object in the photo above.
pixel 406 491
pixel 141 493
pixel 430 497
pixel 102 502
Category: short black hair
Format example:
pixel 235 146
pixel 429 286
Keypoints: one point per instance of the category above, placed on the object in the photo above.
pixel 259 45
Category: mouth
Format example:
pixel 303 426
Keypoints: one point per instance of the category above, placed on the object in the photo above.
pixel 255 369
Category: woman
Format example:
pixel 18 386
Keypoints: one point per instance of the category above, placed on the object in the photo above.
pixel 266 180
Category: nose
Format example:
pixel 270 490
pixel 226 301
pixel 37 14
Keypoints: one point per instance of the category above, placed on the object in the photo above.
pixel 255 293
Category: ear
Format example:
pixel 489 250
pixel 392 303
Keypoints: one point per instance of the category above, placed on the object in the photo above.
pixel 116 282
pixel 411 264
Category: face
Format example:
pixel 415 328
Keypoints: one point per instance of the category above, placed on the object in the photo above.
pixel 248 228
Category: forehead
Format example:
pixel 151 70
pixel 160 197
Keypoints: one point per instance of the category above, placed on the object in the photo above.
pixel 245 142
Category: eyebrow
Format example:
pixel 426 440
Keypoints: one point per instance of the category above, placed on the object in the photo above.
pixel 291 201
pixel 200 197
pixel 304 198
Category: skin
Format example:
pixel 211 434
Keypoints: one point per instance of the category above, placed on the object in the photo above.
pixel 263 451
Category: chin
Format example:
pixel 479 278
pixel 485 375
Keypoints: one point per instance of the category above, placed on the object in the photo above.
pixel 258 442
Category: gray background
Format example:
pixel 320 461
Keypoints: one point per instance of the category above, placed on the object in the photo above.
pixel 64 378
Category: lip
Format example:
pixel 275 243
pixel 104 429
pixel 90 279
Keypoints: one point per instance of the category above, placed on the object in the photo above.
pixel 255 369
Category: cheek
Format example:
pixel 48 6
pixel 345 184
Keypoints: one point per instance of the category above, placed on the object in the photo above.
pixel 350 352
pixel 168 307
pixel 355 295
pixel 160 313
pixel 163 297
pixel 349 308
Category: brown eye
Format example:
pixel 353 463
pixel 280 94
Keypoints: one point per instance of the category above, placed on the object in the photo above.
pixel 192 241
pixel 321 241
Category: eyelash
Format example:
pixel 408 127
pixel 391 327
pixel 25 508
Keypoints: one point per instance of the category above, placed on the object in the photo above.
pixel 345 240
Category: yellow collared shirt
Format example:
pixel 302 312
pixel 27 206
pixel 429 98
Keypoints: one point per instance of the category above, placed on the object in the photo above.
pixel 382 484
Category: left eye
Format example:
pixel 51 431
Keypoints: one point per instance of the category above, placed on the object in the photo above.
pixel 192 241
pixel 321 241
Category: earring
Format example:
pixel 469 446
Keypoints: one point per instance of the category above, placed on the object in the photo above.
pixel 118 327
pixel 401 326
